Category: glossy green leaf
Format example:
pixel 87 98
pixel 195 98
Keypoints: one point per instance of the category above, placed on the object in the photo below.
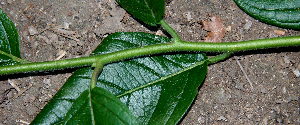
pixel 148 11
pixel 9 41
pixel 282 13
pixel 157 89
pixel 98 107
pixel 8 36
pixel 6 60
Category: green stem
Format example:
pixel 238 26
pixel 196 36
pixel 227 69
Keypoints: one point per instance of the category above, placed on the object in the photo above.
pixel 48 65
pixel 218 57
pixel 96 73
pixel 242 46
pixel 153 49
pixel 170 30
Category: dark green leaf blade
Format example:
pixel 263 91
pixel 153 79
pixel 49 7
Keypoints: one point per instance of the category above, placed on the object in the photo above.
pixel 55 111
pixel 149 11
pixel 6 60
pixel 157 89
pixel 108 109
pixel 8 36
pixel 9 41
pixel 170 96
pixel 282 13
pixel 81 111
pixel 99 106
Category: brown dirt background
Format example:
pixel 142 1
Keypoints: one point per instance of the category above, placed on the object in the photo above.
pixel 226 96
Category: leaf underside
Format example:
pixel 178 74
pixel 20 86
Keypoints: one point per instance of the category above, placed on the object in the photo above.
pixel 157 89
pixel 282 13
pixel 9 41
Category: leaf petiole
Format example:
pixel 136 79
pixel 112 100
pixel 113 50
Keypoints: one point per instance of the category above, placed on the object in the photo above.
pixel 170 30
pixel 98 69
pixel 219 57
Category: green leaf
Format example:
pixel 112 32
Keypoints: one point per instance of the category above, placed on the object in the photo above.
pixel 149 11
pixel 9 41
pixel 282 13
pixel 9 38
pixel 98 107
pixel 7 60
pixel 157 89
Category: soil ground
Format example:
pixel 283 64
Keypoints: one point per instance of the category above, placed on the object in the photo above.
pixel 253 87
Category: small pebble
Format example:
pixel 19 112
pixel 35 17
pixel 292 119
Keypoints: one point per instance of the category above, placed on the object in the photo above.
pixel 221 118
pixel 248 24
pixel 296 72
pixel 32 30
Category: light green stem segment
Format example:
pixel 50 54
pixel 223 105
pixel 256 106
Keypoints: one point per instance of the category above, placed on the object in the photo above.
pixel 176 46
pixel 153 49
pixel 170 30
pixel 96 73
pixel 218 57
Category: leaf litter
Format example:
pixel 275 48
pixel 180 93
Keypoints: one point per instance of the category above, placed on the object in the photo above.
pixel 216 29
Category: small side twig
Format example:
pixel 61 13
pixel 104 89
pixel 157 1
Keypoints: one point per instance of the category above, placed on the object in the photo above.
pixel 19 91
pixel 23 122
pixel 12 83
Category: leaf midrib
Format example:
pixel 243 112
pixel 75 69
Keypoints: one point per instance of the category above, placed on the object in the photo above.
pixel 161 79
pixel 152 14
